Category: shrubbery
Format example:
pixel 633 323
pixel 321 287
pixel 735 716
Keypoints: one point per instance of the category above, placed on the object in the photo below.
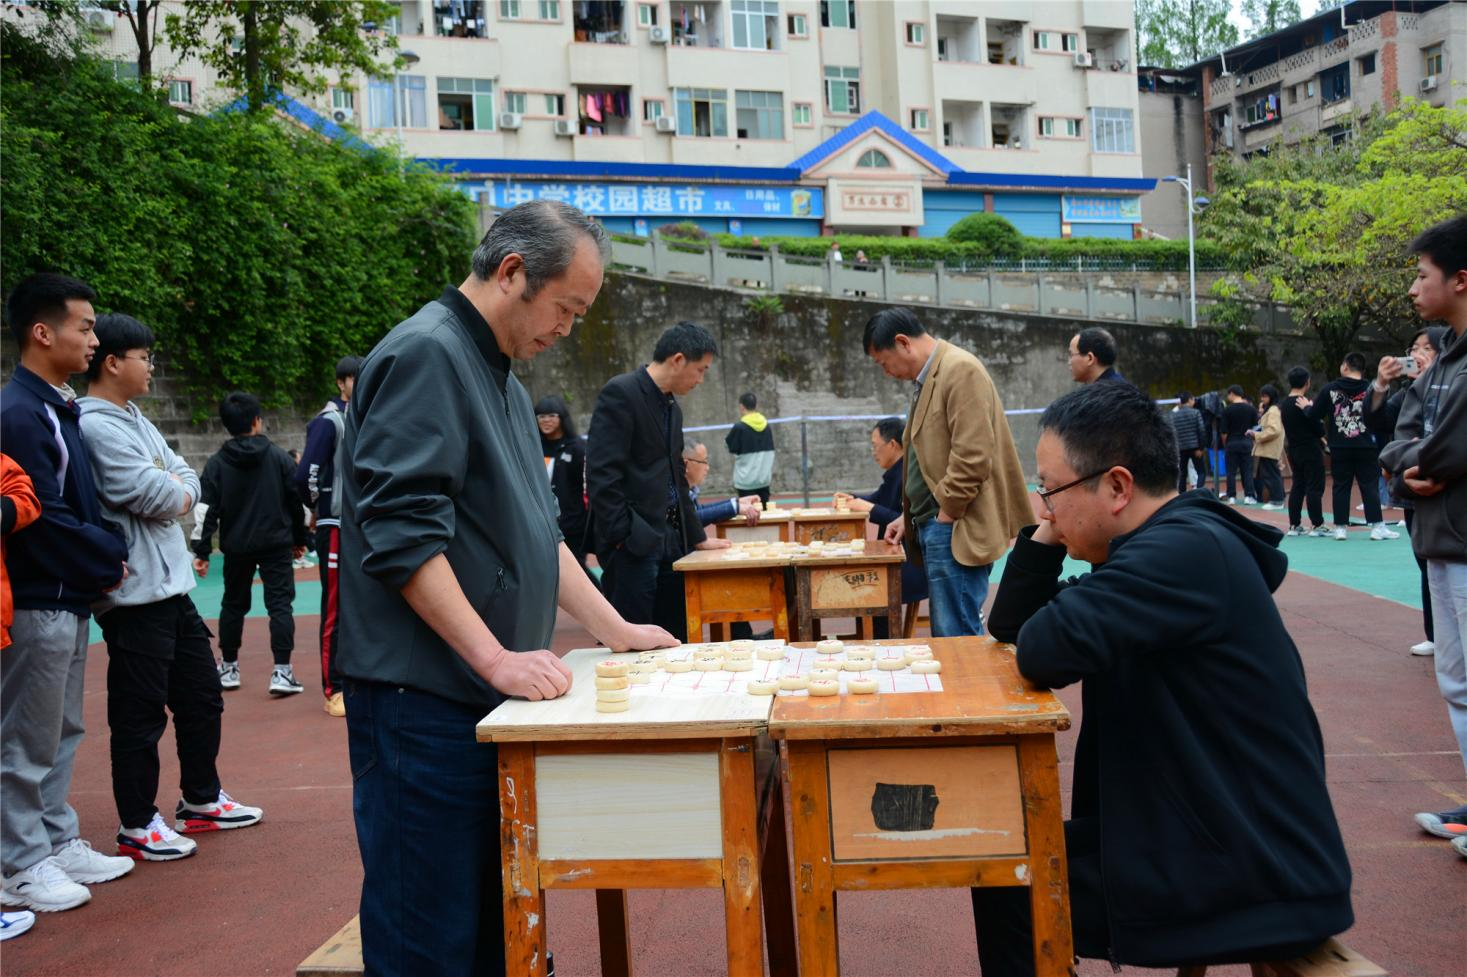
pixel 1146 254
pixel 990 232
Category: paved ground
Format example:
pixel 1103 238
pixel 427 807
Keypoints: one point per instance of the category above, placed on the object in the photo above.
pixel 257 901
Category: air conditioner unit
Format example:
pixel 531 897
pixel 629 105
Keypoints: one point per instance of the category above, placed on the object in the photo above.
pixel 1084 60
pixel 565 127
pixel 340 116
pixel 666 123
pixel 100 21
pixel 1428 84
pixel 658 35
pixel 510 120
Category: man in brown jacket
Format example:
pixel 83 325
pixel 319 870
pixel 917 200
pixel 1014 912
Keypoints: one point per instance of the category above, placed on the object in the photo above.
pixel 964 496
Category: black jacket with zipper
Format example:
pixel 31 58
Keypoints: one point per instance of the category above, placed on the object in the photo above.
pixel 1199 752
pixel 249 487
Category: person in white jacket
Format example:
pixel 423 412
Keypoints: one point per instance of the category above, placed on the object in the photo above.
pixel 160 659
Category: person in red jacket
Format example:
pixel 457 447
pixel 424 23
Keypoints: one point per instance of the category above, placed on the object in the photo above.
pixel 19 508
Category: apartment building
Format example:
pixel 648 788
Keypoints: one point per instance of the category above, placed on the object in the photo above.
pixel 1314 76
pixel 765 116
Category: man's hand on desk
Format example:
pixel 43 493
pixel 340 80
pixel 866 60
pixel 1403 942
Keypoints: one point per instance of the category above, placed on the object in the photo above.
pixel 532 675
pixel 712 543
pixel 641 637
pixel 749 509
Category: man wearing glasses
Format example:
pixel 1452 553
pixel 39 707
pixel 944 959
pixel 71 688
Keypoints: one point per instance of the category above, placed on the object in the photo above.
pixel 1200 830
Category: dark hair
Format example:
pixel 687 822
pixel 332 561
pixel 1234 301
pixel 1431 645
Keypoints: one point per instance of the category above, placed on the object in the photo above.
pixel 545 234
pixel 348 366
pixel 747 401
pixel 1355 360
pixel 687 338
pixel 1236 389
pixel 116 334
pixel 551 404
pixel 1298 377
pixel 1445 244
pixel 1436 336
pixel 1183 397
pixel 42 298
pixel 1096 340
pixel 1271 392
pixel 890 428
pixel 883 328
pixel 238 412
pixel 1101 425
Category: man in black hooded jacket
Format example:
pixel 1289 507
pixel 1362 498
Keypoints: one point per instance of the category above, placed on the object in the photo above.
pixel 1201 830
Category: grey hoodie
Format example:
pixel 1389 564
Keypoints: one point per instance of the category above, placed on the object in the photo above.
pixel 131 464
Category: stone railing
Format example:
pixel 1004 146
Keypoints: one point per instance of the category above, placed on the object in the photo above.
pixel 1020 285
pixel 1303 59
pixel 1335 49
pixel 1364 30
pixel 1221 85
pixel 1262 76
pixel 1408 22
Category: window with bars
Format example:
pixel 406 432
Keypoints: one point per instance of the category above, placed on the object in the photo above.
pixel 759 115
pixel 701 112
pixel 1112 131
pixel 755 24
pixel 842 90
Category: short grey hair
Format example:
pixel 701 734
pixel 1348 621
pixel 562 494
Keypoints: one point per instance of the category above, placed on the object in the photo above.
pixel 690 448
pixel 545 234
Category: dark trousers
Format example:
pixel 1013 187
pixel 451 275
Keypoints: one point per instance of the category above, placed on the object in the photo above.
pixel 1307 464
pixel 159 661
pixel 1362 466
pixel 1198 463
pixel 1425 588
pixel 1240 462
pixel 278 577
pixel 646 590
pixel 425 797
pixel 1269 482
pixel 763 493
pixel 328 542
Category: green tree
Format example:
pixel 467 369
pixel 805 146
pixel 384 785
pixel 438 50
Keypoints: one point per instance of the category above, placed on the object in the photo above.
pixel 1267 16
pixel 1176 33
pixel 991 232
pixel 259 45
pixel 1328 231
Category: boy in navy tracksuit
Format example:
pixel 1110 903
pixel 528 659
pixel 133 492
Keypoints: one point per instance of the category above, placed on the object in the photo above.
pixel 249 487
pixel 65 560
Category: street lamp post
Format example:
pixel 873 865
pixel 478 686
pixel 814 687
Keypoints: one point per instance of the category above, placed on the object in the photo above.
pixel 408 59
pixel 1186 183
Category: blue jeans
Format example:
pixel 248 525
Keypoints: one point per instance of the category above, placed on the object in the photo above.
pixel 425 797
pixel 955 591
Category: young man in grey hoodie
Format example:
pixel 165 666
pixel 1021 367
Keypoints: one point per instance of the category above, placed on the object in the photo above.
pixel 158 649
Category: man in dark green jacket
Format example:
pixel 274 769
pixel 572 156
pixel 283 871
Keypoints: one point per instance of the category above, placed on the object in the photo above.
pixel 452 565
pixel 1201 830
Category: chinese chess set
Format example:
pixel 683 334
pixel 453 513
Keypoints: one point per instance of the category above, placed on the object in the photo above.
pixel 774 549
pixel 766 668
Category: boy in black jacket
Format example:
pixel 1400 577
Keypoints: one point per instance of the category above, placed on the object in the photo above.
pixel 249 488
pixel 1195 717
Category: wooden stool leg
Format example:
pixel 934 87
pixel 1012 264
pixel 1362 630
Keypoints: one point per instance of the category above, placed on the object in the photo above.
pixel 741 890
pixel 616 941
pixel 693 601
pixel 815 919
pixel 524 909
pixel 779 604
pixel 1049 895
pixel 779 909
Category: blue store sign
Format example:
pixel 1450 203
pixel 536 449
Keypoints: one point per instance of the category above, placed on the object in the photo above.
pixel 637 200
pixel 1102 210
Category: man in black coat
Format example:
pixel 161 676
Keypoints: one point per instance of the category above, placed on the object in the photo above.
pixel 642 519
pixel 1201 830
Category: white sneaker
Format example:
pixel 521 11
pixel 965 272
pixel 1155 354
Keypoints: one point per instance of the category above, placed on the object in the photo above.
pixel 86 865
pixel 1295 531
pixel 158 842
pixel 16 923
pixel 1424 648
pixel 45 888
pixel 1320 531
pixel 229 675
pixel 1341 533
pixel 1249 500
pixel 1271 506
pixel 282 682
pixel 1382 532
pixel 223 814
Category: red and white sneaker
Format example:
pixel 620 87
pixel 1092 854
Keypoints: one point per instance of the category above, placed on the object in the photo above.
pixel 155 843
pixel 221 815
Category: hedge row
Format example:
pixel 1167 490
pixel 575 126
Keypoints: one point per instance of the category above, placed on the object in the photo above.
pixel 1055 251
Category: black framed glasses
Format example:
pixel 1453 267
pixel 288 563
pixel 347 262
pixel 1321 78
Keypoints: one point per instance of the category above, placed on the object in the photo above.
pixel 1046 494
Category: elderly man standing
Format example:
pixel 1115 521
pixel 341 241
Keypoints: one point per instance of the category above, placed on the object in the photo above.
pixel 963 495
pixel 452 567
pixel 1093 357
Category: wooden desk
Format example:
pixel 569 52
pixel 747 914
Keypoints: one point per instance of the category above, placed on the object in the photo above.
pixel 772 526
pixel 849 586
pixel 675 793
pixel 719 590
pixel 827 525
pixel 928 790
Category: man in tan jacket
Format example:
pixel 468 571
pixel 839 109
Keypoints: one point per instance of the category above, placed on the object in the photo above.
pixel 964 496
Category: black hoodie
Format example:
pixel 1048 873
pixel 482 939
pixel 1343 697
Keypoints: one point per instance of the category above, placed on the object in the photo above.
pixel 249 488
pixel 1341 406
pixel 1199 754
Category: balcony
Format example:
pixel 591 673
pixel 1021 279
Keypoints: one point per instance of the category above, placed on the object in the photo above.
pixel 598 21
pixel 996 81
pixel 690 30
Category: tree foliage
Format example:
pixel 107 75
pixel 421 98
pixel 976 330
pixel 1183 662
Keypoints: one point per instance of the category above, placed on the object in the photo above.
pixel 991 231
pixel 1267 16
pixel 259 45
pixel 1327 230
pixel 1177 33
pixel 256 250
